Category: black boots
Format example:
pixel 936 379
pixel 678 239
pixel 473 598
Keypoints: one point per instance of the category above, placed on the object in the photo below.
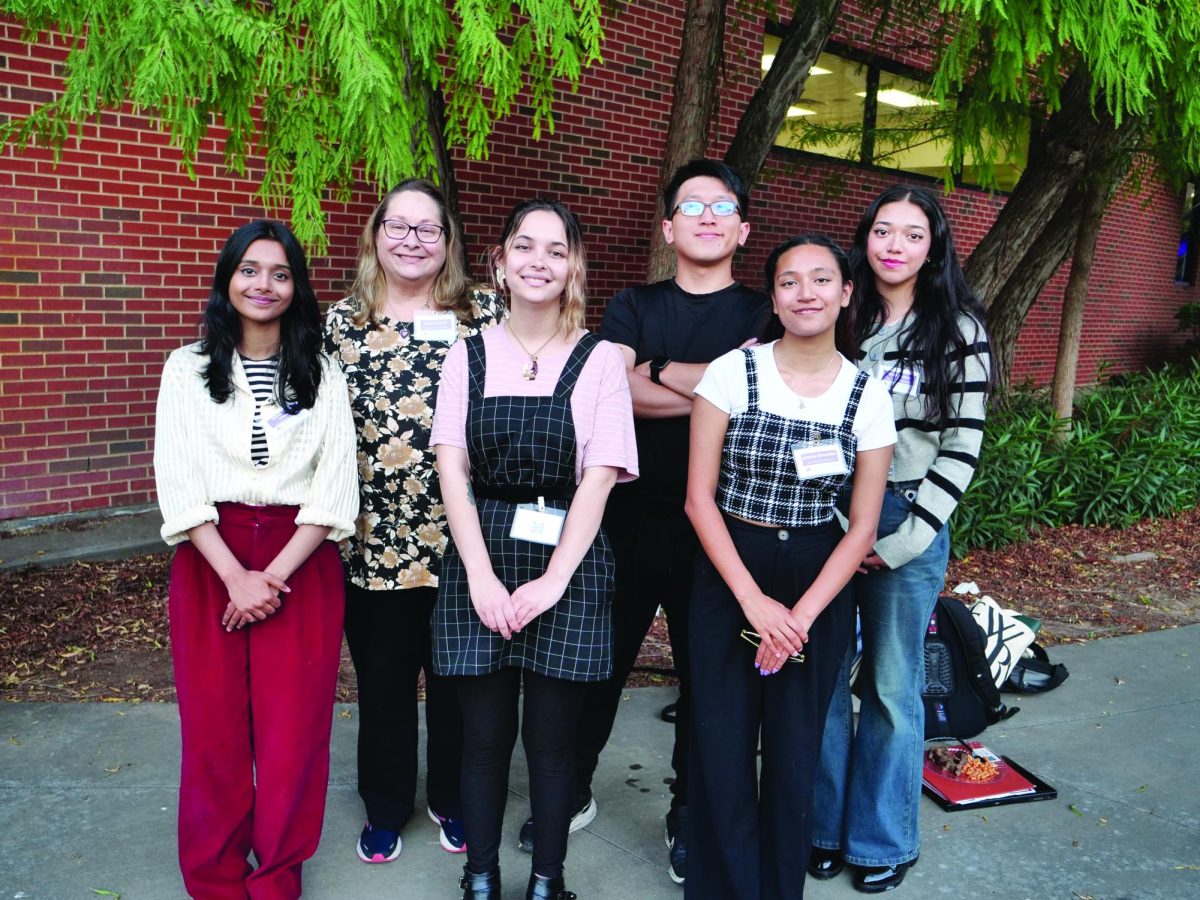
pixel 485 886
pixel 547 889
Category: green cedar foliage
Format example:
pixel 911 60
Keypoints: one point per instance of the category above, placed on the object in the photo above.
pixel 1134 453
pixel 1007 59
pixel 327 90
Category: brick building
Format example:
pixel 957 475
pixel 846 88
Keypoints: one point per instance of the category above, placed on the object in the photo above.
pixel 104 258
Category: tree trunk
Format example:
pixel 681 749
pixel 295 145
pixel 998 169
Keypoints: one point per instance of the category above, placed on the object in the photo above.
pixel 1030 239
pixel 1029 275
pixel 435 113
pixel 767 111
pixel 692 107
pixel 1070 329
pixel 1057 158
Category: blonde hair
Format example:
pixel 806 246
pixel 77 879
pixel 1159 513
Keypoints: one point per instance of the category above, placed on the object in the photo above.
pixel 451 286
pixel 573 302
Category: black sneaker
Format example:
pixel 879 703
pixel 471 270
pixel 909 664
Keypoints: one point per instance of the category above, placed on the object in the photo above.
pixel 582 819
pixel 677 843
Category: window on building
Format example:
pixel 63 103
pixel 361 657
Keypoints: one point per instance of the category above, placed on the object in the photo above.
pixel 868 112
pixel 1189 237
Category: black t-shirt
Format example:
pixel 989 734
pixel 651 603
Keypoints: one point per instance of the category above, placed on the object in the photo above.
pixel 662 319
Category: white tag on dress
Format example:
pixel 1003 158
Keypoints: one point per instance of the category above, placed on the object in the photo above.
pixel 533 522
pixel 818 460
pixel 280 421
pixel 430 325
pixel 900 379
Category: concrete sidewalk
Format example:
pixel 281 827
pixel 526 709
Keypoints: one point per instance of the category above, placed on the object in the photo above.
pixel 113 536
pixel 88 792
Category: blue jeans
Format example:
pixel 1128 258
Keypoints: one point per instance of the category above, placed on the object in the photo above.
pixel 868 782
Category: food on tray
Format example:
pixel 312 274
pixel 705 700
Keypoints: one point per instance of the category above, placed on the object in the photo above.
pixel 962 764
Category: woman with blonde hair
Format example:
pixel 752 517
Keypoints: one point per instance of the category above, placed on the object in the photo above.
pixel 411 300
pixel 534 426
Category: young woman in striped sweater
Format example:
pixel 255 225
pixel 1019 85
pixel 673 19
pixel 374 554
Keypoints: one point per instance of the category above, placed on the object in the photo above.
pixel 919 328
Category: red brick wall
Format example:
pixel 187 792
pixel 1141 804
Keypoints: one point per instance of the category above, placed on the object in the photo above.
pixel 104 258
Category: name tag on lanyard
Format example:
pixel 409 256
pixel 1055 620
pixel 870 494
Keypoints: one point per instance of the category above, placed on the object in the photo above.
pixel 534 522
pixel 818 460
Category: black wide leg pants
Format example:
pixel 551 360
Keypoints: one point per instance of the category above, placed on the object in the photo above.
pixel 749 835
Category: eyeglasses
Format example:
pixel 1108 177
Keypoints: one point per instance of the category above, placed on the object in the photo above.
pixel 752 637
pixel 398 231
pixel 693 208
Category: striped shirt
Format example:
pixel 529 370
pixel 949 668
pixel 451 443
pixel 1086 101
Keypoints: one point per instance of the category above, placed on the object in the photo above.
pixel 261 375
pixel 942 460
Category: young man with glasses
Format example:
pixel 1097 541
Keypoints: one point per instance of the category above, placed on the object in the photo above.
pixel 668 332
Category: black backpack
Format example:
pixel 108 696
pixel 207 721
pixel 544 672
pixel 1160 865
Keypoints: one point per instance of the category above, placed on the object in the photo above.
pixel 961 699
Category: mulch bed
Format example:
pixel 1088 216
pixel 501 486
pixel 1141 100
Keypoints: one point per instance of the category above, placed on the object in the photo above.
pixel 98 631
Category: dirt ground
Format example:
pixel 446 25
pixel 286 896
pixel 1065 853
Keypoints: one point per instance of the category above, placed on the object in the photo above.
pixel 98 631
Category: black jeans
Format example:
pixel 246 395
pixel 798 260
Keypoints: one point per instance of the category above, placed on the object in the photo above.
pixel 390 642
pixel 551 712
pixel 654 548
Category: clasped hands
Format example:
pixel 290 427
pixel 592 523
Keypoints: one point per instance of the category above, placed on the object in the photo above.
pixel 508 613
pixel 253 596
pixel 783 631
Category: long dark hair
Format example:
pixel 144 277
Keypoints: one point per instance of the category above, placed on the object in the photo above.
pixel 941 296
pixel 774 328
pixel 299 374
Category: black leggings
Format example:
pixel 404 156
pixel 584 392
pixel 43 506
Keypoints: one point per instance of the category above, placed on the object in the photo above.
pixel 551 715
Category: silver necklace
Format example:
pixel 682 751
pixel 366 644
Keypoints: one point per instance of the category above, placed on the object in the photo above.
pixel 404 330
pixel 823 370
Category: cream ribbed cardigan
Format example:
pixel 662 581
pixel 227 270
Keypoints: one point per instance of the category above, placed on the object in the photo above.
pixel 202 451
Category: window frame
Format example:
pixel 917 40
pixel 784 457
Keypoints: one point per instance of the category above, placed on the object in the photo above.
pixel 874 65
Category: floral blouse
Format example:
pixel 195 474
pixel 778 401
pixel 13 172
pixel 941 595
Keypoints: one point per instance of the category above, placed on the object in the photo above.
pixel 393 379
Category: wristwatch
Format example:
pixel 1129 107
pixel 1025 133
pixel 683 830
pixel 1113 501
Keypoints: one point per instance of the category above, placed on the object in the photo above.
pixel 656 366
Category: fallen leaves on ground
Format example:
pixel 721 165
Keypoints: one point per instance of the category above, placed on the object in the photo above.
pixel 97 631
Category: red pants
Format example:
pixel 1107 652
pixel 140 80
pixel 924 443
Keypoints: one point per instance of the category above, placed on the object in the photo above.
pixel 256 708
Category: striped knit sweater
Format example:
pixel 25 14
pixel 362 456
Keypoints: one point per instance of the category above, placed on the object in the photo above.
pixel 944 460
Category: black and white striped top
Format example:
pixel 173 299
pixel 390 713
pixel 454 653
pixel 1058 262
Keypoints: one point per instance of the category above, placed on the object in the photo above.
pixel 261 375
pixel 942 459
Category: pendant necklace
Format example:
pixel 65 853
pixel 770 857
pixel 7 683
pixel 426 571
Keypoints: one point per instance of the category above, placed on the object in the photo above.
pixel 799 399
pixel 404 330
pixel 530 372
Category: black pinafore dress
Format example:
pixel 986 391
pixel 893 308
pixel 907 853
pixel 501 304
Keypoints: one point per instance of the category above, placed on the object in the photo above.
pixel 520 448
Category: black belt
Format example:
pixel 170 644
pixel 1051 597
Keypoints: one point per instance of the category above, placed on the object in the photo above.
pixel 517 493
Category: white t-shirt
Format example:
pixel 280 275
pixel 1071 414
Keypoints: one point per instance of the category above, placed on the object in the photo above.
pixel 724 386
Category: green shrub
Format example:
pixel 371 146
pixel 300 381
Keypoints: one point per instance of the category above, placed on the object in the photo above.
pixel 1133 453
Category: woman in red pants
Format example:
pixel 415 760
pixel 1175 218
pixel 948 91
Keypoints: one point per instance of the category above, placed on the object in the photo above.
pixel 256 476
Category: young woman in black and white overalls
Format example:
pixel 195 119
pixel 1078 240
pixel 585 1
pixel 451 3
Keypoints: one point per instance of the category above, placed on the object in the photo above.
pixel 529 443
pixel 777 430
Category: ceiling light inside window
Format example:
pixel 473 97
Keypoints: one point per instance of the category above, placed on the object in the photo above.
pixel 899 99
pixel 794 112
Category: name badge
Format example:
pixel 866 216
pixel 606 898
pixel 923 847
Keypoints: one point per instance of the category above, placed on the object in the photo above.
pixel 819 460
pixel 282 421
pixel 901 379
pixel 533 522
pixel 429 325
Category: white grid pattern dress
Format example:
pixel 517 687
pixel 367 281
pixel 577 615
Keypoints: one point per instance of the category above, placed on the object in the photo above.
pixel 520 448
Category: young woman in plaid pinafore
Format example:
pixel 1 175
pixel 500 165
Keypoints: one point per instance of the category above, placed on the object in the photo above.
pixel 777 430
pixel 534 425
